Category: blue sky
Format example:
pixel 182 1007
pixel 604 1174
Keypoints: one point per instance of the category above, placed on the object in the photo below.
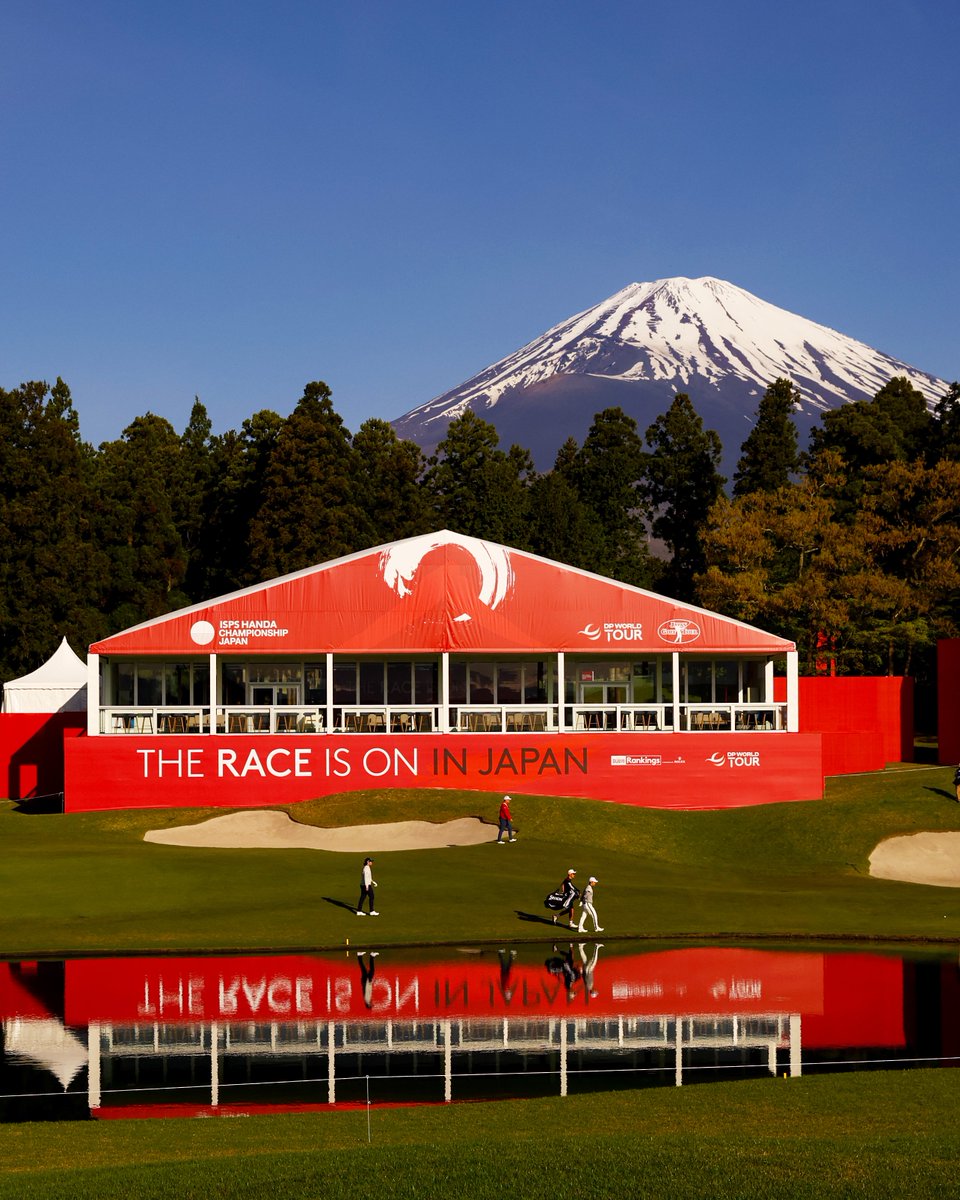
pixel 231 199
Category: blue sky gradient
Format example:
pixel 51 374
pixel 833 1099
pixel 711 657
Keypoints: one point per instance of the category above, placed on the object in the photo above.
pixel 231 199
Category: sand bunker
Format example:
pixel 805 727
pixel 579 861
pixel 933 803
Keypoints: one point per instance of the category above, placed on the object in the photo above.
pixel 266 829
pixel 932 858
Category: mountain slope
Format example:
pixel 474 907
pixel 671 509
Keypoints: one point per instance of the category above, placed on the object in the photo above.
pixel 638 348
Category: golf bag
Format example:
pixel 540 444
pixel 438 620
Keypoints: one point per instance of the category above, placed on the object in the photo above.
pixel 560 901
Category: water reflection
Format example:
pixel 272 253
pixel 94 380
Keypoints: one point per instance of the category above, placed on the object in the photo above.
pixel 142 1036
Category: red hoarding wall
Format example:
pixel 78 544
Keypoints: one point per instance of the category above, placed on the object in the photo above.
pixel 31 751
pixel 650 770
pixel 866 721
pixel 948 700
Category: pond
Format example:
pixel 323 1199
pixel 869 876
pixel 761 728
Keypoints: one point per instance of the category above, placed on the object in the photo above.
pixel 188 1036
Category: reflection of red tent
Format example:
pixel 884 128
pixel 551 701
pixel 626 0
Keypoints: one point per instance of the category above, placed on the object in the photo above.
pixel 16 999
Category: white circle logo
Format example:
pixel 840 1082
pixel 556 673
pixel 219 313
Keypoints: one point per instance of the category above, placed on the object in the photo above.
pixel 202 632
pixel 678 631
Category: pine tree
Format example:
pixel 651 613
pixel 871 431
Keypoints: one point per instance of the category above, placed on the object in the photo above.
pixel 477 489
pixel 138 476
pixel 50 562
pixel 388 483
pixel 192 496
pixel 769 456
pixel 894 425
pixel 682 482
pixel 946 415
pixel 310 511
pixel 606 472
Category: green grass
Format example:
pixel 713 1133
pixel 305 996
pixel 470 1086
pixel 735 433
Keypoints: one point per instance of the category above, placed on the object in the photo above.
pixel 884 1134
pixel 88 881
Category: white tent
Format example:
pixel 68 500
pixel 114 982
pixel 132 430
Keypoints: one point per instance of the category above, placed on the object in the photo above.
pixel 60 685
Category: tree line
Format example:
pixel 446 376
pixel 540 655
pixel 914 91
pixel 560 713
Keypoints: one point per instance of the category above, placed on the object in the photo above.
pixel 849 547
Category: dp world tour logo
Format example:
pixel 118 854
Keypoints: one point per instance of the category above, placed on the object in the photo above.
pixel 613 631
pixel 736 758
pixel 678 631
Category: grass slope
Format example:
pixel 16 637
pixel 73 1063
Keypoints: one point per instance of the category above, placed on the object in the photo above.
pixel 88 882
pixel 878 1135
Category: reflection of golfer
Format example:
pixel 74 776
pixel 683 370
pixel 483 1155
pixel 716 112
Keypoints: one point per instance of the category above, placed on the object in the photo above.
pixel 367 884
pixel 589 968
pixel 564 966
pixel 367 971
pixel 506 968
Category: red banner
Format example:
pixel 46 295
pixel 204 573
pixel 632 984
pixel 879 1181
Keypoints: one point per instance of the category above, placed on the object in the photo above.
pixel 652 770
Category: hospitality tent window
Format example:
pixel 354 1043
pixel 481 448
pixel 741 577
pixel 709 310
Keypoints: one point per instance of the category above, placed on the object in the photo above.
pixel 722 681
pixel 152 684
pixel 458 683
pixel 315 683
pixel 426 683
pixel 345 683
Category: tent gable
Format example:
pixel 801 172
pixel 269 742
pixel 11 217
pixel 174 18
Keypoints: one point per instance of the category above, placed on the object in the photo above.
pixel 440 591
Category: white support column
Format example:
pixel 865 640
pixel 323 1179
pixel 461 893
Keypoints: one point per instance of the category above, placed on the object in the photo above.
pixel 93 694
pixel 561 691
pixel 445 691
pixel 796 1042
pixel 675 667
pixel 331 1062
pixel 93 1065
pixel 328 720
pixel 214 1064
pixel 214 693
pixel 447 1062
pixel 793 692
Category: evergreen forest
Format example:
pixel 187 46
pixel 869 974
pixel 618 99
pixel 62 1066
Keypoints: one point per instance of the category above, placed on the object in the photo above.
pixel 849 546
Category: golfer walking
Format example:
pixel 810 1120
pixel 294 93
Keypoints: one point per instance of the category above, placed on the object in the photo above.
pixel 587 909
pixel 506 821
pixel 569 892
pixel 367 884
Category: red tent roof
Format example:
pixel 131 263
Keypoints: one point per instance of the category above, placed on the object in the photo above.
pixel 440 591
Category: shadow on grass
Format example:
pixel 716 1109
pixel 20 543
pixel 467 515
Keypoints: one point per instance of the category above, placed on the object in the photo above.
pixel 340 904
pixel 942 792
pixel 536 919
pixel 40 804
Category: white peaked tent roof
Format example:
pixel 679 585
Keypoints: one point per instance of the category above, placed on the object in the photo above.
pixel 60 685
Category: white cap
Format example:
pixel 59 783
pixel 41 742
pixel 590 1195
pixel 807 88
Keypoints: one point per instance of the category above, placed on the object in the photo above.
pixel 571 871
pixel 594 879
pixel 506 797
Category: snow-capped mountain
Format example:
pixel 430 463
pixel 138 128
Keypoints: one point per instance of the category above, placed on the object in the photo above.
pixel 711 339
